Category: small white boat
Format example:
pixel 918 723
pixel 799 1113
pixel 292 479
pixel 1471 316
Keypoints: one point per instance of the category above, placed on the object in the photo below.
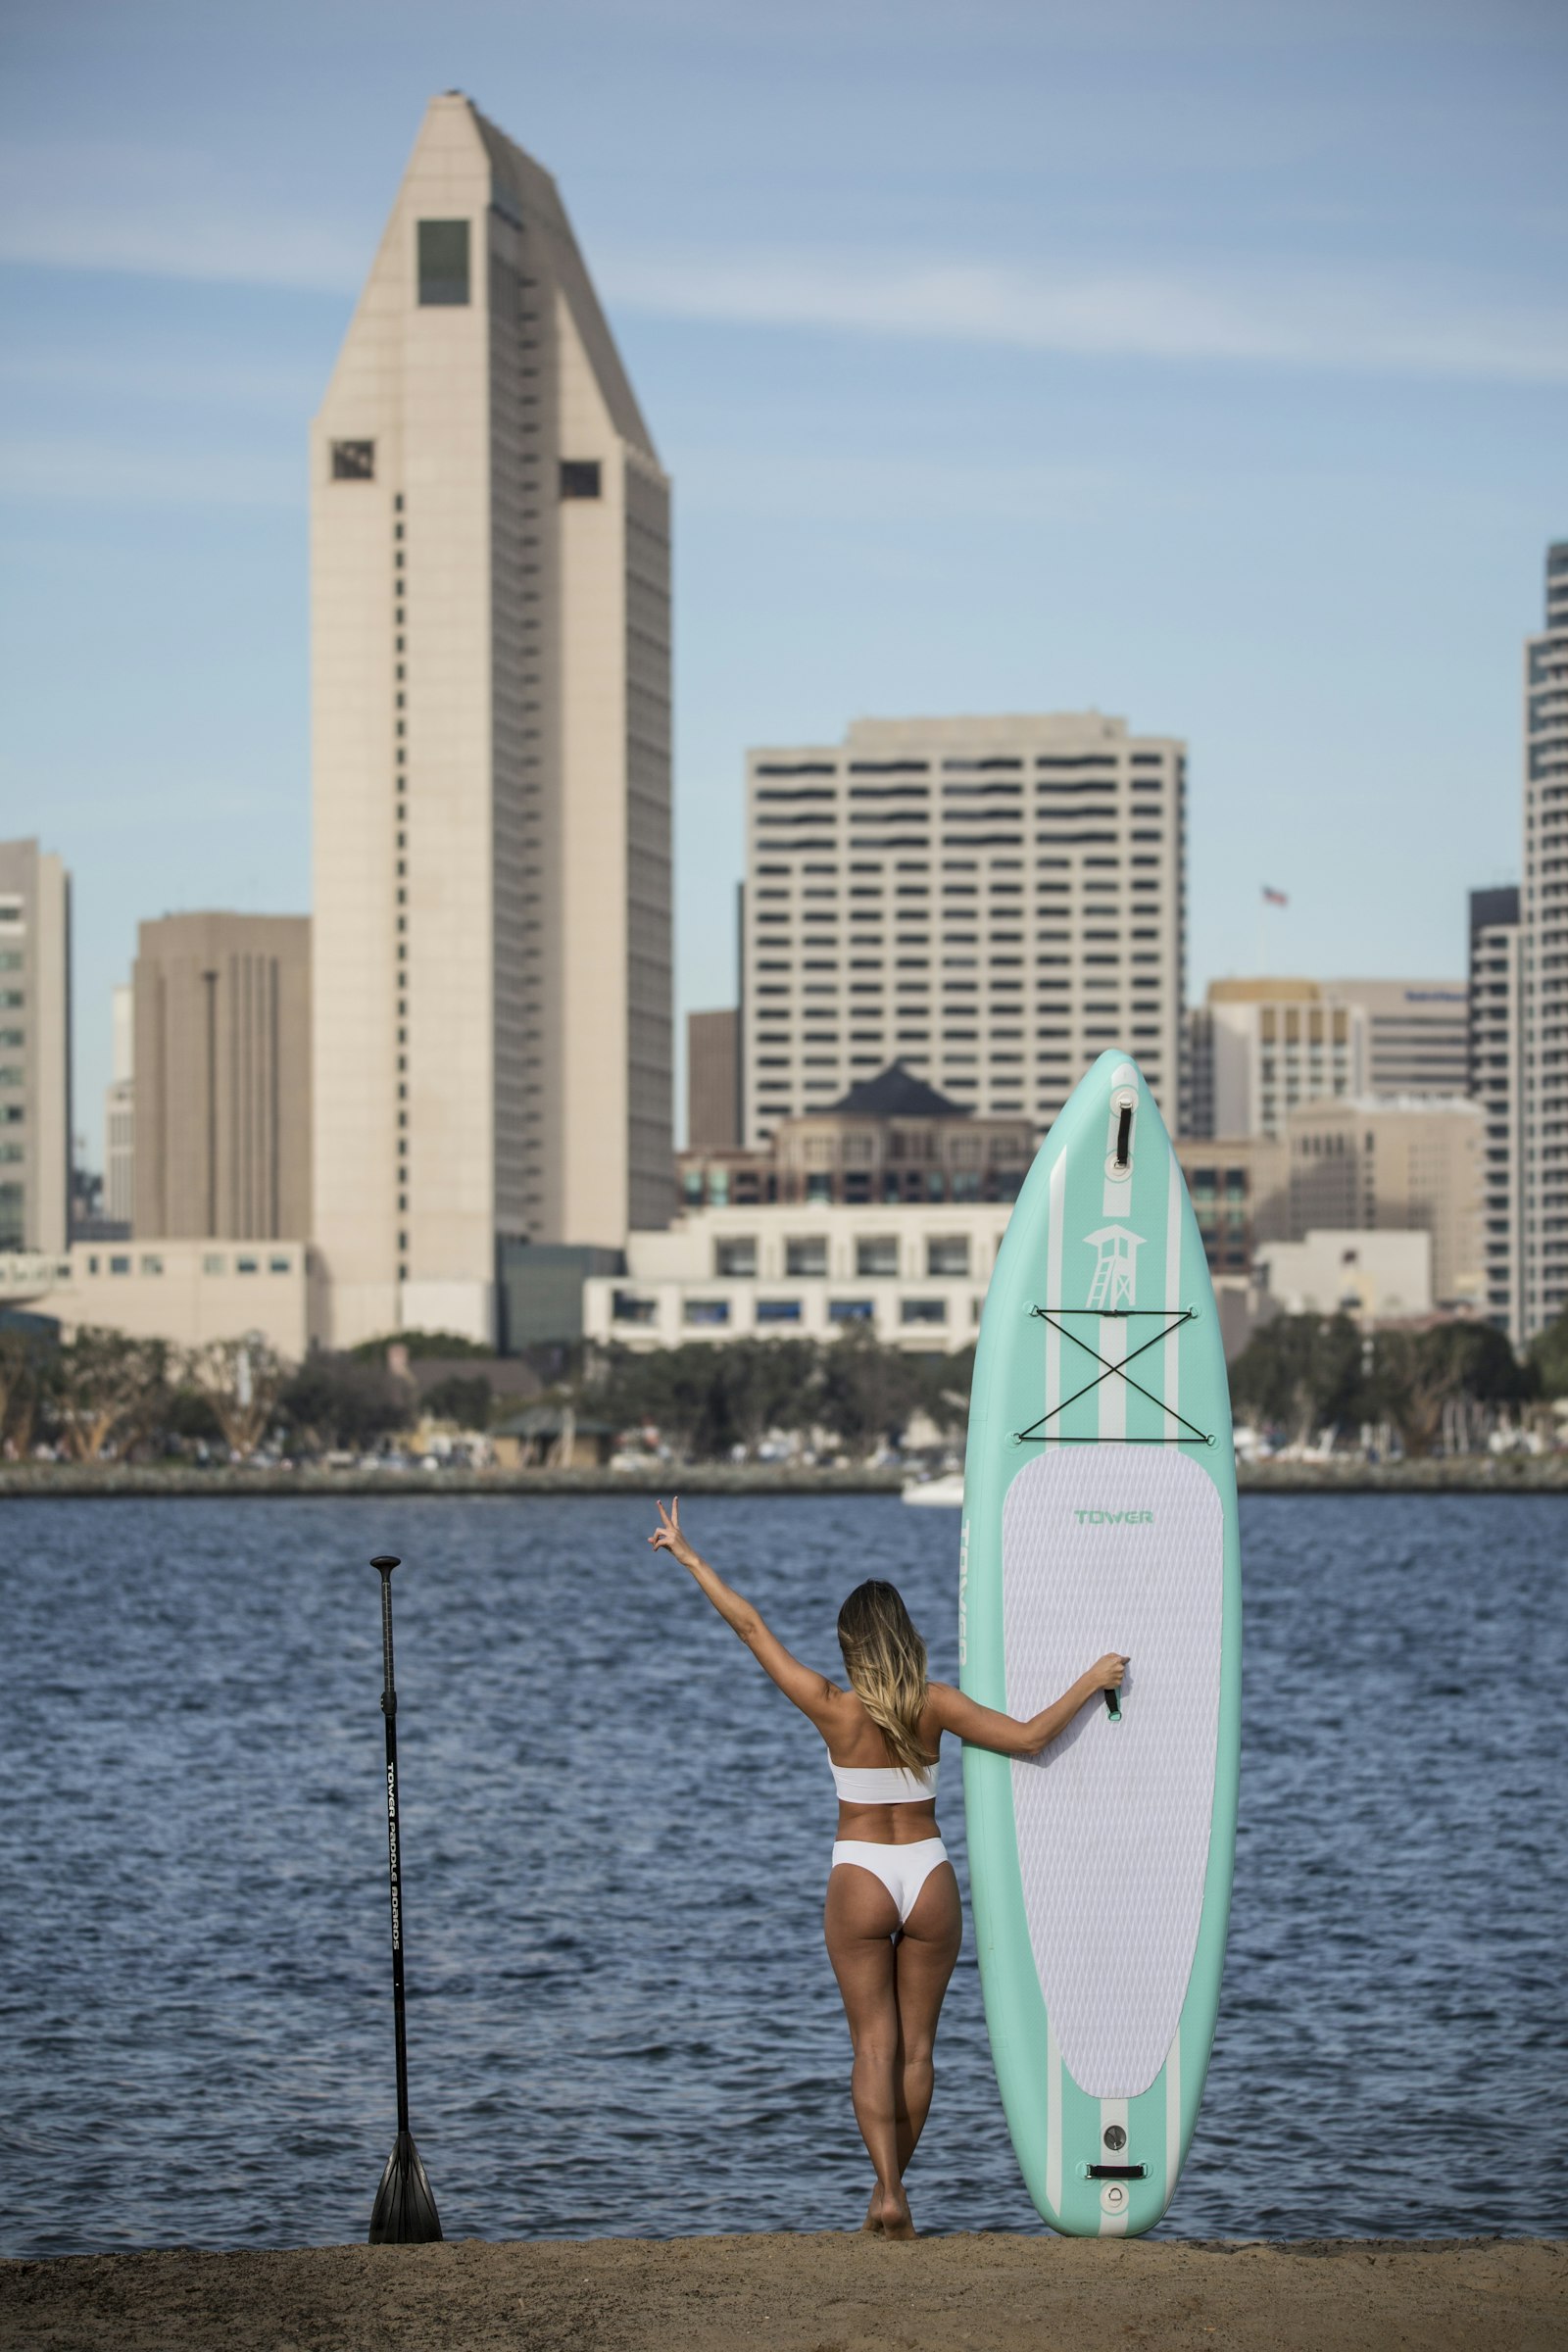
pixel 945 1492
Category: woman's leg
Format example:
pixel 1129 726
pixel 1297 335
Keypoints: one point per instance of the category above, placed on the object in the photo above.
pixel 860 1920
pixel 923 1961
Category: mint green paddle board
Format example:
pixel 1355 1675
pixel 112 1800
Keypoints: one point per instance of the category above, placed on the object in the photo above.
pixel 1099 1514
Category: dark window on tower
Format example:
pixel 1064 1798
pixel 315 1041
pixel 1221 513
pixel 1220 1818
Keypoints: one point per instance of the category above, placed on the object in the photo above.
pixel 442 262
pixel 579 477
pixel 353 461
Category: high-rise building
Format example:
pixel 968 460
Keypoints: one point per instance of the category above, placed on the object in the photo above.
pixel 1257 1048
pixel 1496 1083
pixel 713 1080
pixel 223 1077
pixel 34 1049
pixel 120 1112
pixel 1544 963
pixel 1400 1162
pixel 492 756
pixel 1417 1033
pixel 989 902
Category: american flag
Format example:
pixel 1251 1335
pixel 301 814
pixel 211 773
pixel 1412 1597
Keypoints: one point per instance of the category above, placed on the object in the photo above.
pixel 1274 898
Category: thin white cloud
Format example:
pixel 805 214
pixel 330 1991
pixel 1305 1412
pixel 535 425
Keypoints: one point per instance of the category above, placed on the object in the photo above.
pixel 789 486
pixel 152 213
pixel 105 474
pixel 195 376
pixel 1349 323
pixel 299 255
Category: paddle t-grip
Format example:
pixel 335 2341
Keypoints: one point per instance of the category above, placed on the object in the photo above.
pixel 385 1562
pixel 1114 1704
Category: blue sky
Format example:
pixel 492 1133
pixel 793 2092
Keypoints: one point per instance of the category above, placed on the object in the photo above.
pixel 1203 364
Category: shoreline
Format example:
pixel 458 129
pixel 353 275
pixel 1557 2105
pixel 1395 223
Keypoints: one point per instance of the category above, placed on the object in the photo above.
pixel 824 2293
pixel 1460 1474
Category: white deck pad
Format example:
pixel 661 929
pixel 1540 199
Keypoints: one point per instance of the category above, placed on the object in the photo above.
pixel 1113 1820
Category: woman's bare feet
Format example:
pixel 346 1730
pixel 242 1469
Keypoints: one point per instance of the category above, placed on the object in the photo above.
pixel 871 2226
pixel 889 2212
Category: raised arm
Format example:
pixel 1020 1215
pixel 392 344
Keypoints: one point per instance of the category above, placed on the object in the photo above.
pixel 811 1692
pixel 987 1727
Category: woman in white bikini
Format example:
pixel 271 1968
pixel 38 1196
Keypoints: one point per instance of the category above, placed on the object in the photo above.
pixel 891 1918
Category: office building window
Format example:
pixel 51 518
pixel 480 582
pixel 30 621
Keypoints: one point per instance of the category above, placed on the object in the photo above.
pixel 443 263
pixel 922 1310
pixel 877 1256
pixel 948 1256
pixel 804 1259
pixel 354 461
pixel 736 1260
pixel 778 1311
pixel 579 477
pixel 850 1310
pixel 706 1310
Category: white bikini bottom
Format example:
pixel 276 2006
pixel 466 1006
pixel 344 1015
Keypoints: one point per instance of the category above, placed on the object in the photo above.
pixel 902 1868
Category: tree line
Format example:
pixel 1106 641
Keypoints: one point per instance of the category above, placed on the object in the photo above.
pixel 103 1396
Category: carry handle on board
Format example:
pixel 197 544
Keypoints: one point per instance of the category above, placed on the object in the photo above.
pixel 1114 1704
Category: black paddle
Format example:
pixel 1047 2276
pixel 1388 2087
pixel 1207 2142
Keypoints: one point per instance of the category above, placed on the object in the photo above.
pixel 405 2211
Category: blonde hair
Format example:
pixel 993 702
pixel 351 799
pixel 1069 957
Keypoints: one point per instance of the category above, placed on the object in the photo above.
pixel 884 1658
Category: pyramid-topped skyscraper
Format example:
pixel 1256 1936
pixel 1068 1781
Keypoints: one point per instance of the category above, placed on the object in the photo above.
pixel 490 583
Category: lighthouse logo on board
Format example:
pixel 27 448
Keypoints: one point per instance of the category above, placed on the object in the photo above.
pixel 1115 1274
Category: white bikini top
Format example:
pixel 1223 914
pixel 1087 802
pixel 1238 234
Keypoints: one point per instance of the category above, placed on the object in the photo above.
pixel 884 1785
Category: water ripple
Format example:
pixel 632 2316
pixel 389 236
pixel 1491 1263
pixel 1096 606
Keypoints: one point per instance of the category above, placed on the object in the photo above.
pixel 621 2019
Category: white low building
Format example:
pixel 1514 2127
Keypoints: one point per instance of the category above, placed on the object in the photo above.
pixel 1375 1276
pixel 184 1292
pixel 913 1277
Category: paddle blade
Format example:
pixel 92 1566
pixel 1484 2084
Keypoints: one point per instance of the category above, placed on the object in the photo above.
pixel 405 2213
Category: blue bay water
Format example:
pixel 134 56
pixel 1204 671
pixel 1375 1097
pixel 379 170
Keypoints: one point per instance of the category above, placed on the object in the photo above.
pixel 623 2020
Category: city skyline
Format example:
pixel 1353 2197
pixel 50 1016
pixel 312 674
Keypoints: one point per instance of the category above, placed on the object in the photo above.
pixel 915 363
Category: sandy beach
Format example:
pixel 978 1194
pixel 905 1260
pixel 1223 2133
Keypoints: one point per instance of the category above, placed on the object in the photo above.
pixel 822 2293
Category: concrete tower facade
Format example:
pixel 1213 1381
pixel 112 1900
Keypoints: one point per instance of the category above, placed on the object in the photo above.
pixel 1496 1083
pixel 990 902
pixel 221 1055
pixel 34 1049
pixel 1543 1186
pixel 490 575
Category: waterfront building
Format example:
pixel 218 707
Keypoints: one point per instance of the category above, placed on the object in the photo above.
pixel 1544 963
pixel 1396 1163
pixel 912 1277
pixel 1496 1083
pixel 1257 1048
pixel 1240 1193
pixel 223 1077
pixel 1374 1276
pixel 990 902
pixel 34 1048
pixel 712 1081
pixel 490 566
pixel 120 1112
pixel 891 1138
pixel 184 1292
pixel 1416 1033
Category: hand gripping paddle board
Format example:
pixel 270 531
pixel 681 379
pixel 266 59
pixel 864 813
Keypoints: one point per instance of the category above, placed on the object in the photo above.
pixel 1099 1514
